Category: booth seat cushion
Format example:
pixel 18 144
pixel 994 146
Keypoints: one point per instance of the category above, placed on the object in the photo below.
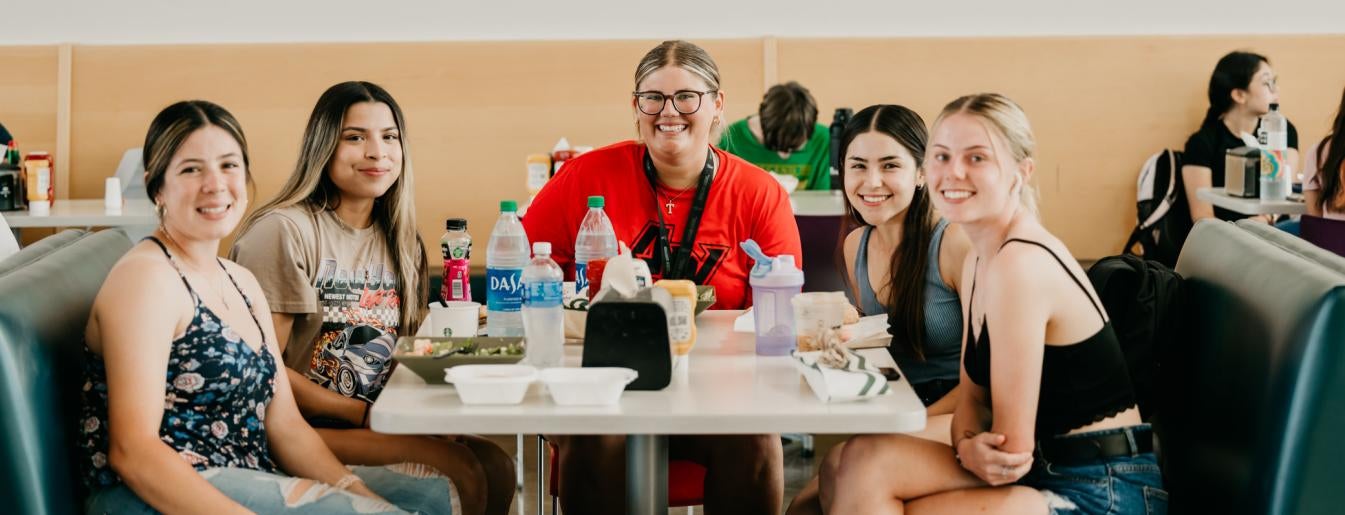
pixel 1295 244
pixel 1248 302
pixel 45 300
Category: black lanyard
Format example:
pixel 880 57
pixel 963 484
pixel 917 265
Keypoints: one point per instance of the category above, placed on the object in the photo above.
pixel 675 267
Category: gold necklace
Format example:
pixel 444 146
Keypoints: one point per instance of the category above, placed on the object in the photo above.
pixel 217 289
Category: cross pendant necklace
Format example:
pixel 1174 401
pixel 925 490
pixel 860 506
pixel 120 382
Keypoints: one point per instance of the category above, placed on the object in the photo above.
pixel 671 201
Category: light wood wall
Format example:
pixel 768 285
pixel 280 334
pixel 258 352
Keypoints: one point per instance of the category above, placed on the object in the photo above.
pixel 1099 106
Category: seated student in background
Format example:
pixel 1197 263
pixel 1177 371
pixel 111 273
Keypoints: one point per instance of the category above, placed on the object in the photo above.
pixel 1324 171
pixel 784 137
pixel 903 260
pixel 1241 90
pixel 653 183
pixel 1046 420
pixel 183 407
pixel 337 253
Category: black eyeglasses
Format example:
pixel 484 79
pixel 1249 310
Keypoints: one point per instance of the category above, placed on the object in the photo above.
pixel 686 101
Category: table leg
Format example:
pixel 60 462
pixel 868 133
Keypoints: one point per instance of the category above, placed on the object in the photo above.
pixel 646 474
pixel 541 471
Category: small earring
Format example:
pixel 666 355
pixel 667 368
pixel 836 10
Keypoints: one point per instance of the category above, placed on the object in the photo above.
pixel 158 208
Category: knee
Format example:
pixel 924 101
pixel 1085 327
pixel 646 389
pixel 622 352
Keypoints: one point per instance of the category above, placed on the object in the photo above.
pixel 831 463
pixel 764 449
pixel 858 454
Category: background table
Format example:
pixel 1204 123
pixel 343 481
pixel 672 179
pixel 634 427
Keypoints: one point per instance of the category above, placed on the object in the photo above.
pixel 1251 206
pixel 723 389
pixel 85 213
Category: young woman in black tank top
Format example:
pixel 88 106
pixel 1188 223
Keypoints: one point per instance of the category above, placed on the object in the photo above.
pixel 1049 425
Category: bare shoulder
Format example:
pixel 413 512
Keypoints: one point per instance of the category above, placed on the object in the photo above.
pixel 953 253
pixel 851 244
pixel 142 287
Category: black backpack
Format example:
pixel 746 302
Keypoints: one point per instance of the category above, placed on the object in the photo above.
pixel 1164 219
pixel 1143 299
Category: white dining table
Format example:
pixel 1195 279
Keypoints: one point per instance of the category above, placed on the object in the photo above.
pixel 722 387
pixel 1251 206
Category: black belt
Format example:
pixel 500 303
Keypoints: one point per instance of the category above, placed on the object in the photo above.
pixel 1067 450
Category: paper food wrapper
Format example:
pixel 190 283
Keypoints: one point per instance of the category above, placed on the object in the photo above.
pixel 858 379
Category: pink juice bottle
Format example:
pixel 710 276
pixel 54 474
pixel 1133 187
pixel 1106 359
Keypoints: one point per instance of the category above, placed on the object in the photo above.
pixel 456 246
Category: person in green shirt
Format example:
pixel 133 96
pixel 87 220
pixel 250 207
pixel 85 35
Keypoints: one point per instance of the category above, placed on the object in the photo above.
pixel 784 137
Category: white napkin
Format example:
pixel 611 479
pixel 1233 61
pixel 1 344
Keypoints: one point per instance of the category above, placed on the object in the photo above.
pixel 860 379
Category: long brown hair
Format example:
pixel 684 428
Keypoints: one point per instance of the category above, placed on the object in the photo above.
pixel 1331 160
pixel 394 212
pixel 906 290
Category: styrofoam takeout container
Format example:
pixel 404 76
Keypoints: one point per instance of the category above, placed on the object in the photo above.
pixel 591 386
pixel 491 384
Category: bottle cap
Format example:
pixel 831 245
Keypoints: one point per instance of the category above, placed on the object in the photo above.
pixel 1274 106
pixel 783 272
pixel 541 248
pixel 596 201
pixel 455 224
pixel 508 206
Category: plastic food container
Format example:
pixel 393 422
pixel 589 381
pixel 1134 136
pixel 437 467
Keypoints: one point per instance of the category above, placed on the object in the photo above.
pixel 491 384
pixel 592 386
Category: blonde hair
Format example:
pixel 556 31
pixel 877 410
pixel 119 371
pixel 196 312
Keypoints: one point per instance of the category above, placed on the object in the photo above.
pixel 1007 121
pixel 394 212
pixel 689 57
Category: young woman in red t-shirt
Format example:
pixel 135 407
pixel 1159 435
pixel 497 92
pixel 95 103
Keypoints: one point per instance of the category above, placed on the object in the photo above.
pixel 678 106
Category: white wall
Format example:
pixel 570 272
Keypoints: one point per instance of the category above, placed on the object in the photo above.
pixel 216 21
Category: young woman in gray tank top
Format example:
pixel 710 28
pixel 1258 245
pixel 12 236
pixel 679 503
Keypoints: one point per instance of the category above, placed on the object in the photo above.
pixel 901 260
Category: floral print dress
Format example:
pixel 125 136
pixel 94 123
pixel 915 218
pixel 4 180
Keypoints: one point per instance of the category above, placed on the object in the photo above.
pixel 216 392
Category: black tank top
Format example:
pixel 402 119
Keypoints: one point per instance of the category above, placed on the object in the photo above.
pixel 1081 383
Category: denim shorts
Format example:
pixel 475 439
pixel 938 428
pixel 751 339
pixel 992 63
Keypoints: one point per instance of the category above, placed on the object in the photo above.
pixel 1121 485
pixel 408 487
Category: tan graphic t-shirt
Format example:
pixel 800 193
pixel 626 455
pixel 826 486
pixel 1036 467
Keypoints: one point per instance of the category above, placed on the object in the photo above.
pixel 340 284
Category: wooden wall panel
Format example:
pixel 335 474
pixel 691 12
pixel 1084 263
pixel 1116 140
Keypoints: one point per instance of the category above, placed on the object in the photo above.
pixel 1099 106
pixel 28 102
pixel 474 110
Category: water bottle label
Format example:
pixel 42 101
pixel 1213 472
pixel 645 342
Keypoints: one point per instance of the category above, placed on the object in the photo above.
pixel 545 294
pixel 580 276
pixel 504 289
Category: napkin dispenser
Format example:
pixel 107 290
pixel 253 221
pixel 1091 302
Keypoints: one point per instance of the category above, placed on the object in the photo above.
pixel 632 333
pixel 1242 172
pixel 11 190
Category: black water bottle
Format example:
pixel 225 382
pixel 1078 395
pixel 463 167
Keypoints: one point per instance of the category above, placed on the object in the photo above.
pixel 838 121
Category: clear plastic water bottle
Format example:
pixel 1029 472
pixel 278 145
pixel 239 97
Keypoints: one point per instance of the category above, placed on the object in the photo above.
pixel 1276 177
pixel 543 324
pixel 596 240
pixel 506 256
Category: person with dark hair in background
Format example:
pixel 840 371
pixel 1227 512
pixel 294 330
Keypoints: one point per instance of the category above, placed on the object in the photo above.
pixel 784 137
pixel 1324 171
pixel 1241 90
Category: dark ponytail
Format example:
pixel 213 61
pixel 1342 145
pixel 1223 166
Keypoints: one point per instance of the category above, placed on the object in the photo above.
pixel 1234 71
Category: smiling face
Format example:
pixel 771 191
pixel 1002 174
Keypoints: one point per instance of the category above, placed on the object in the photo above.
pixel 880 177
pixel 368 158
pixel 204 191
pixel 972 175
pixel 670 132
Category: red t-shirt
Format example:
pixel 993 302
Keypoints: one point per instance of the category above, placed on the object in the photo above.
pixel 744 202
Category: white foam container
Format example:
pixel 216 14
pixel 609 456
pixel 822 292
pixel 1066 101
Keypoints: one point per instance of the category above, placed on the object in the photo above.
pixel 592 386
pixel 491 384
